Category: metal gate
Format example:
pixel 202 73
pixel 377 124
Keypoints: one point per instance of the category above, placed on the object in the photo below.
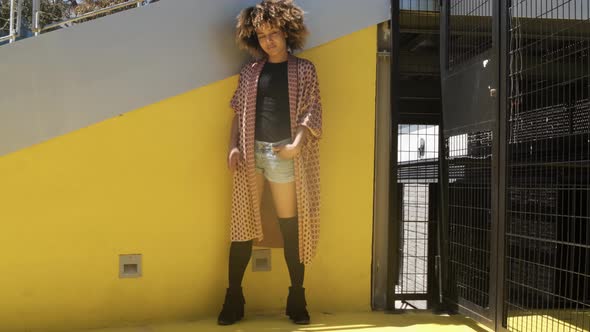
pixel 516 170
pixel 547 231
pixel 415 153
pixel 469 75
pixel 417 183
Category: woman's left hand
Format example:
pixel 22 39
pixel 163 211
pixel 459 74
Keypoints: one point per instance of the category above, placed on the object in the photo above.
pixel 287 151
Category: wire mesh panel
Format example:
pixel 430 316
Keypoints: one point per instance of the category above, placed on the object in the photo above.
pixel 469 112
pixel 416 169
pixel 548 167
pixel 419 16
pixel 419 27
pixel 417 175
pixel 470 30
pixel 415 239
pixel 419 62
pixel 469 158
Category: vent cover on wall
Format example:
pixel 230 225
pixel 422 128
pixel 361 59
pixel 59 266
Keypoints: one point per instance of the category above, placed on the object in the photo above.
pixel 261 260
pixel 130 266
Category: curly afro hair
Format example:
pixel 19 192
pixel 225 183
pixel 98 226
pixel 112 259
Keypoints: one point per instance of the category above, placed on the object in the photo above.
pixel 282 14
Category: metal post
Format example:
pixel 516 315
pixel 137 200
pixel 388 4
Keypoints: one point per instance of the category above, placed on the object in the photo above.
pixel 442 235
pixel 503 20
pixel 11 23
pixel 394 220
pixel 35 17
pixel 19 14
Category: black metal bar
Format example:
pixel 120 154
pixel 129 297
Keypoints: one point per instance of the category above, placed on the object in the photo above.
pixel 426 119
pixel 496 178
pixel 412 297
pixel 394 222
pixel 495 194
pixel 442 260
pixel 433 288
pixel 502 174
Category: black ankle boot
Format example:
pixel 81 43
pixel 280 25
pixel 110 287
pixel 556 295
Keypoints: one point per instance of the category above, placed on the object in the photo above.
pixel 296 306
pixel 289 308
pixel 233 307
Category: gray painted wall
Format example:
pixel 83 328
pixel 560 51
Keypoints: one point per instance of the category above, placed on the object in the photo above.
pixel 68 79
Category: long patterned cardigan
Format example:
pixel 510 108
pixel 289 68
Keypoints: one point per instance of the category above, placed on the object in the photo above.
pixel 305 110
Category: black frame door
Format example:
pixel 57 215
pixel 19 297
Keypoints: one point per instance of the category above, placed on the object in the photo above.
pixel 470 79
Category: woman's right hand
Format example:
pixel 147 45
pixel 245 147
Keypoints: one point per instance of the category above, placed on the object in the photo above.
pixel 233 158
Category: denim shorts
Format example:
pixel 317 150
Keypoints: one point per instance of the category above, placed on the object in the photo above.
pixel 271 165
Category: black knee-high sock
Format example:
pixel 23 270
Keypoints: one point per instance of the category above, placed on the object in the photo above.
pixel 239 256
pixel 290 231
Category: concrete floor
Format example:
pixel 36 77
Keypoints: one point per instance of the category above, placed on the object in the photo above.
pixel 550 320
pixel 321 322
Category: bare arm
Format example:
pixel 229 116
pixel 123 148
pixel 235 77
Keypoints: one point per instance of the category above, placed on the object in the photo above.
pixel 289 151
pixel 233 155
pixel 233 137
pixel 301 136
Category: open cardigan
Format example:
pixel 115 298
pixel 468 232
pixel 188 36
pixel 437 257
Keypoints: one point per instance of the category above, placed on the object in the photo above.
pixel 305 110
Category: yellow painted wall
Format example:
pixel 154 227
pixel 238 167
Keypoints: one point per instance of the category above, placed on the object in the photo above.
pixel 154 181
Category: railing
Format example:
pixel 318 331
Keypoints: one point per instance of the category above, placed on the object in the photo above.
pixel 16 17
pixel 110 9
pixel 12 33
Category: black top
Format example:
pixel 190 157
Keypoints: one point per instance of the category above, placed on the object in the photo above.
pixel 273 121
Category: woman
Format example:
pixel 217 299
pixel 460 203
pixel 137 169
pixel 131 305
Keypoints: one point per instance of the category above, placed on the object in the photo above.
pixel 274 137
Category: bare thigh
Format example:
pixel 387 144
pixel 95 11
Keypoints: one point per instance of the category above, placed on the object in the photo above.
pixel 284 198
